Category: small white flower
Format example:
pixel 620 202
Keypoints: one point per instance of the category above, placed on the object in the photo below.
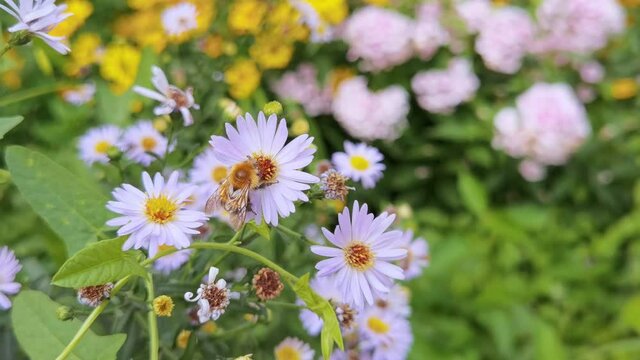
pixel 180 19
pixel 156 216
pixel 9 267
pixel 80 95
pixel 293 348
pixel 141 139
pixel 38 18
pixel 360 162
pixel 95 143
pixel 417 255
pixel 212 297
pixel 170 97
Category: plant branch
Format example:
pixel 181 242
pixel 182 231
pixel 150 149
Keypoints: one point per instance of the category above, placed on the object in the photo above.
pixel 153 322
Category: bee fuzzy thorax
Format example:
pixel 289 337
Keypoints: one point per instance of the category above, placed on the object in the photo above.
pixel 244 175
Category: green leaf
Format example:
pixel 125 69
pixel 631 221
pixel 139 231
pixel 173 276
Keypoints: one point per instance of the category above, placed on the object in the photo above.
pixel 263 229
pixel 43 337
pixel 473 193
pixel 548 344
pixel 330 327
pixel 8 123
pixel 98 264
pixel 73 208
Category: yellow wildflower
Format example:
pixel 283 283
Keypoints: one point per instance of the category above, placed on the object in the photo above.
pixel 331 11
pixel 163 305
pixel 143 27
pixel 85 51
pixel 243 78
pixel 183 339
pixel 623 89
pixel 300 126
pixel 212 46
pixel 377 2
pixel 285 22
pixel 338 75
pixel 270 52
pixel 81 10
pixel 120 66
pixel 245 16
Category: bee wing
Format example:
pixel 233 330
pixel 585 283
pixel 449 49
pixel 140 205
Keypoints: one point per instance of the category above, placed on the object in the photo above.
pixel 237 206
pixel 214 200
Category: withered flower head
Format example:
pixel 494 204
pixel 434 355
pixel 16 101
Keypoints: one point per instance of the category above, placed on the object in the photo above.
pixel 94 295
pixel 267 284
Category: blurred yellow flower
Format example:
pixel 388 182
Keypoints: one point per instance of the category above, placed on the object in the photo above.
pixel 300 126
pixel 377 2
pixel 211 45
pixel 270 52
pixel 245 16
pixel 183 339
pixel 285 22
pixel 120 66
pixel 85 51
pixel 338 75
pixel 144 28
pixel 243 78
pixel 630 3
pixel 145 4
pixel 81 10
pixel 623 89
pixel 500 2
pixel 163 305
pixel 209 327
pixel 331 11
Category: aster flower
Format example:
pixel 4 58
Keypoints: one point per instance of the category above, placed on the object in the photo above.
pixel 9 267
pixel 179 19
pixel 156 216
pixel 395 301
pixel 171 262
pixel 171 98
pixel 384 334
pixel 38 18
pixel 262 163
pixel 141 139
pixel 94 145
pixel 362 257
pixel 417 255
pixel 94 295
pixel 293 348
pixel 212 297
pixel 360 162
pixel 207 173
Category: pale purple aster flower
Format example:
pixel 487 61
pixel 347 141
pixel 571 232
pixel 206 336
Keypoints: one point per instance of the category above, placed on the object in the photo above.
pixel 9 267
pixel 207 173
pixel 94 145
pixel 212 297
pixel 156 216
pixel 417 255
pixel 474 13
pixel 141 140
pixel 278 164
pixel 171 262
pixel 293 348
pixel 363 254
pixel 38 18
pixel 384 334
pixel 395 301
pixel 360 162
pixel 170 97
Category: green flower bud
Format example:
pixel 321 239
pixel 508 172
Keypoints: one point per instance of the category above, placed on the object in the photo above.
pixel 20 38
pixel 64 313
pixel 272 108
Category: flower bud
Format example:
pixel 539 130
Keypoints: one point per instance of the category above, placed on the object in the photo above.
pixel 272 107
pixel 64 313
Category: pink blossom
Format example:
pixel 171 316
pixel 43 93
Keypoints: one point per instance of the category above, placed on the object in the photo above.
pixel 429 34
pixel 591 72
pixel 369 115
pixel 440 91
pixel 302 87
pixel 546 126
pixel 381 38
pixel 474 13
pixel 532 171
pixel 504 39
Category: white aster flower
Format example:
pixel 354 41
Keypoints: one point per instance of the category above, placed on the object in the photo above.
pixel 385 334
pixel 38 18
pixel 80 95
pixel 293 348
pixel 212 297
pixel 9 267
pixel 180 19
pixel 170 97
pixel 171 262
pixel 360 162
pixel 207 173
pixel 156 216
pixel 261 161
pixel 141 139
pixel 362 257
pixel 95 143
pixel 417 255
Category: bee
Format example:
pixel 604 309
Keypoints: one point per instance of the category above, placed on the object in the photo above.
pixel 233 193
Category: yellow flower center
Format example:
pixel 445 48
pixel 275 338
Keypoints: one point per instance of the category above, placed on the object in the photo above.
pixel 165 247
pixel 218 173
pixel 359 256
pixel 148 143
pixel 102 146
pixel 287 353
pixel 377 325
pixel 359 162
pixel 160 209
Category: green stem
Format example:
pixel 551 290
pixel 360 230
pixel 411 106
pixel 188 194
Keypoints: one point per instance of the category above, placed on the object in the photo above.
pixel 31 93
pixel 153 322
pixel 5 49
pixel 285 304
pixel 90 320
pixel 293 234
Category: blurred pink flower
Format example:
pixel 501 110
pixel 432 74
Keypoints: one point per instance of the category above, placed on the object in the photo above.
pixel 474 13
pixel 368 115
pixel 381 38
pixel 301 86
pixel 591 72
pixel 546 126
pixel 532 171
pixel 504 39
pixel 429 34
pixel 440 91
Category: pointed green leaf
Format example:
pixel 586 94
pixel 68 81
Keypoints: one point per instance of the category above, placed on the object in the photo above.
pixel 8 123
pixel 98 264
pixel 73 208
pixel 473 193
pixel 43 337
pixel 263 229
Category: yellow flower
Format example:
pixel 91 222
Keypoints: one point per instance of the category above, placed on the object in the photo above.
pixel 500 2
pixel 145 4
pixel 338 75
pixel 211 45
pixel 623 89
pixel 285 22
pixel 377 2
pixel 85 51
pixel 270 52
pixel 300 126
pixel 331 11
pixel 209 327
pixel 243 78
pixel 630 3
pixel 183 339
pixel 163 305
pixel 143 27
pixel 120 66
pixel 245 16
pixel 81 10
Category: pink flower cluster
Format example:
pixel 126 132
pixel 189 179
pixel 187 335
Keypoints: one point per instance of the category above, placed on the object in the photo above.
pixel 473 13
pixel 368 115
pixel 440 91
pixel 302 87
pixel 578 26
pixel 428 33
pixel 545 127
pixel 504 39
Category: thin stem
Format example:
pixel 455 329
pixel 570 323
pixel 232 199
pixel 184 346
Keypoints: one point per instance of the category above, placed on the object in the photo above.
pixel 5 48
pixel 153 322
pixel 31 93
pixel 285 230
pixel 285 304
pixel 90 320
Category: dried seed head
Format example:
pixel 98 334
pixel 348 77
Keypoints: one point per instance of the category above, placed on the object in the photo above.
pixel 334 185
pixel 267 284
pixel 346 315
pixel 93 295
